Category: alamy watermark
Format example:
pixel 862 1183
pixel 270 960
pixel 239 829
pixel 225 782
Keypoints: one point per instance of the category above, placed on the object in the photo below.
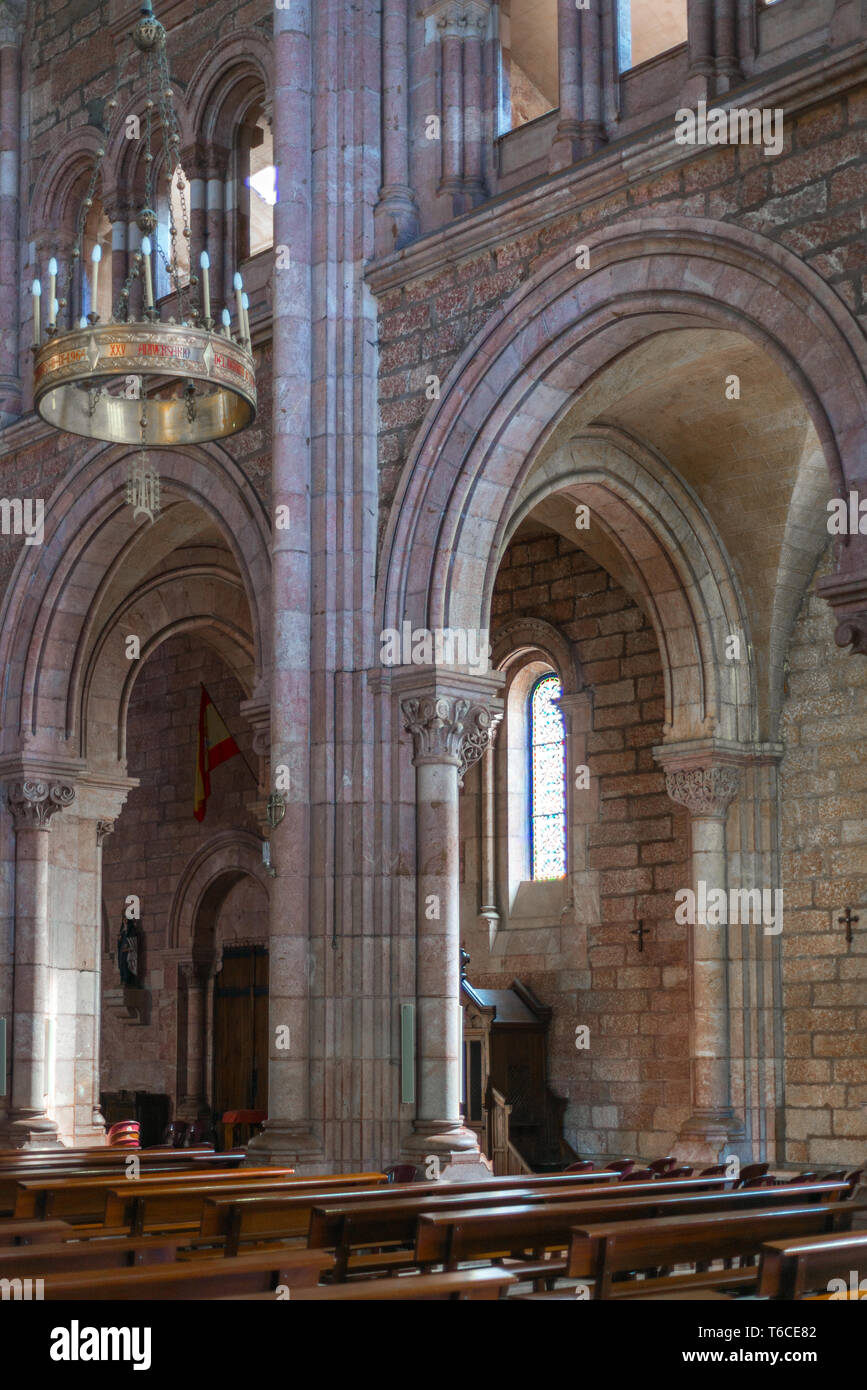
pixel 716 907
pixel 23 517
pixel 738 125
pixel 441 646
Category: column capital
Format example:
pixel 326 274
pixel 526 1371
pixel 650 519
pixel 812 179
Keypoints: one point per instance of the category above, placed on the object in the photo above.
pixel 34 802
pixel 452 718
pixel 455 19
pixel 704 775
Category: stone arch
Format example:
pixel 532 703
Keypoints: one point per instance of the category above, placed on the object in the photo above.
pixel 523 639
pixel 64 601
pixel 222 83
pixel 521 374
pixel 208 876
pixel 57 180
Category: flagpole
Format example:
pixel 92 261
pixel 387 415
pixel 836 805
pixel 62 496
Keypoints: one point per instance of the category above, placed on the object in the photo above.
pixel 240 753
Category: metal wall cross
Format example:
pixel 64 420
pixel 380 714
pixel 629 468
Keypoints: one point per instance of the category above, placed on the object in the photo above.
pixel 849 919
pixel 641 931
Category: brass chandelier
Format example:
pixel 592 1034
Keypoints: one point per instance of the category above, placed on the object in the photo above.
pixel 145 381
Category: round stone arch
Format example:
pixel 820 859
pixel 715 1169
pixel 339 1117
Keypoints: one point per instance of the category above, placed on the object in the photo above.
pixel 523 371
pixel 219 864
pixel 51 613
pixel 222 83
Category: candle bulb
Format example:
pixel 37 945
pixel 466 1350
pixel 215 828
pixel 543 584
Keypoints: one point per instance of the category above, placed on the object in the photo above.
pixel 227 323
pixel 149 287
pixel 205 263
pixel 96 257
pixel 239 297
pixel 245 305
pixel 55 310
pixel 82 322
pixel 52 287
pixel 37 299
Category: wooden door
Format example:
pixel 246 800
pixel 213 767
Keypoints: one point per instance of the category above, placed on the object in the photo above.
pixel 241 1030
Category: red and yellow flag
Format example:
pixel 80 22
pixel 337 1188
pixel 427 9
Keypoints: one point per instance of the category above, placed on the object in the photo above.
pixel 215 746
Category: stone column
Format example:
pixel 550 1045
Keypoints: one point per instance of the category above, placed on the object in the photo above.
pixel 450 730
pixel 193 1104
pixel 707 788
pixel 450 27
pixel 700 42
pixel 462 26
pixel 566 146
pixel 104 828
pixel 474 124
pixel 396 213
pixel 591 128
pixel 32 804
pixel 10 279
pixel 117 212
pixel 287 1135
pixel 726 60
pixel 215 227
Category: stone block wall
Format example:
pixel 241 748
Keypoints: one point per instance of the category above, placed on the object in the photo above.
pixel 809 199
pixel 629 1091
pixel 824 868
pixel 155 837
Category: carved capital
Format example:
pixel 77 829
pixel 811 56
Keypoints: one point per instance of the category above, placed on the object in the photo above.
pixel 480 728
pixel 436 723
pixel 34 802
pixel 458 19
pixel 851 631
pixel 103 829
pixel 704 791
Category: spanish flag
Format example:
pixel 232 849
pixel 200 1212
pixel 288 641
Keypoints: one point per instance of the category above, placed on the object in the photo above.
pixel 215 746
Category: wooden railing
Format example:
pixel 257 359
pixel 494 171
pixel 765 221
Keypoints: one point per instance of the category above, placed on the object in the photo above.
pixel 506 1159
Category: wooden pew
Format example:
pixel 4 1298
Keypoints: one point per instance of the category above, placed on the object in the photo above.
pixel 259 1273
pixel 498 1233
pixel 74 1256
pixel 792 1268
pixel 347 1226
pixel 82 1200
pixel 29 1232
pixel 460 1285
pixel 246 1219
pixel 179 1207
pixel 599 1252
pixel 106 1162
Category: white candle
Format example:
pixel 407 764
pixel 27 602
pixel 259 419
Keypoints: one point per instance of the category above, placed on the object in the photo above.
pixel 96 257
pixel 149 287
pixel 239 298
pixel 37 300
pixel 52 287
pixel 227 323
pixel 82 322
pixel 245 305
pixel 55 310
pixel 205 263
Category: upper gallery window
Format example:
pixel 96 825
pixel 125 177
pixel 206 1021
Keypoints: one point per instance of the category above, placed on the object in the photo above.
pixel 175 208
pixel 97 231
pixel 257 184
pixel 529 79
pixel 648 27
pixel 547 780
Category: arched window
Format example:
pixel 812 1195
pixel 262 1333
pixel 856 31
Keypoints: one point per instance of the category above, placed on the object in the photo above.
pixel 645 30
pixel 177 209
pixel 547 780
pixel 529 78
pixel 257 184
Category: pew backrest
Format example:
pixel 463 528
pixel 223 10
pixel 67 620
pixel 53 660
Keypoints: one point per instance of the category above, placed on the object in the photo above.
pixel 791 1268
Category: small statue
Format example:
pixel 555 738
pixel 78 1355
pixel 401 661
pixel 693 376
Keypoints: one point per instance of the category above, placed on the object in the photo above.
pixel 128 953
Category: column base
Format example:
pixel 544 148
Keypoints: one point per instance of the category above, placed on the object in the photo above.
pixel 30 1129
pixel 395 219
pixel 286 1145
pixel 566 147
pixel 710 1136
pixel 446 1153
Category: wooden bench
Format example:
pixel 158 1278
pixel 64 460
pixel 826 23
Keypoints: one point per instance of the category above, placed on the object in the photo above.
pixel 348 1226
pixel 457 1286
pixel 30 1232
pixel 106 1162
pixel 82 1200
pixel 180 1206
pixel 600 1252
pixel 72 1256
pixel 791 1268
pixel 262 1272
pixel 240 1221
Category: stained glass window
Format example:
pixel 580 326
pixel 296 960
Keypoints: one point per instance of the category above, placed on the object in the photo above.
pixel 547 780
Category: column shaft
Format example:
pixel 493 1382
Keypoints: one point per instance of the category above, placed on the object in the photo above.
pixel 10 126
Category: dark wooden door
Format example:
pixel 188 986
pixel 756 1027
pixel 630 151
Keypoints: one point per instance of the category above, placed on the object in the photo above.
pixel 241 1030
